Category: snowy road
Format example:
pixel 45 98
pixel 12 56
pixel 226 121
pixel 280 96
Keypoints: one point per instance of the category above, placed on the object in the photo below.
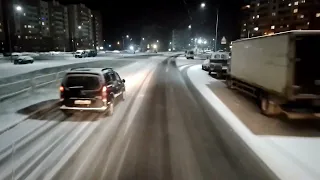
pixel 9 69
pixel 161 131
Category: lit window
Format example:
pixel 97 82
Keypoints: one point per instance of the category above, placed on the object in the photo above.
pixel 26 37
pixel 42 23
pixel 295 10
pixel 289 4
pixel 35 38
pixel 0 23
pixel 296 3
pixel 272 27
pixel 281 26
pixel 301 16
pixel 24 14
pixel 244 24
pixel 253 17
pixel 244 30
pixel 318 15
pixel 288 25
pixel 256 28
pixel 0 30
pixel 258 16
pixel 273 14
pixel 19 36
pixel 29 26
pixel 308 23
pixel 303 1
pixel 25 26
pixel 29 31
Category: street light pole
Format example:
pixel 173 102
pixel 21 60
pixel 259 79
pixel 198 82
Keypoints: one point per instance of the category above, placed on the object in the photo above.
pixel 217 24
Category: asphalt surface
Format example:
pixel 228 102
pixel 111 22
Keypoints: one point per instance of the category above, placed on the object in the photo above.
pixel 163 130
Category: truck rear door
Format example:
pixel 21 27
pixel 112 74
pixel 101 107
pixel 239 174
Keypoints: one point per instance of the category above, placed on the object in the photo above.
pixel 307 67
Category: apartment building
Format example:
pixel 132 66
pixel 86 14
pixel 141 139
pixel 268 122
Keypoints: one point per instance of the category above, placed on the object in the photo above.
pixel 272 16
pixel 181 39
pixel 2 33
pixel 36 25
pixel 97 28
pixel 81 27
pixel 59 26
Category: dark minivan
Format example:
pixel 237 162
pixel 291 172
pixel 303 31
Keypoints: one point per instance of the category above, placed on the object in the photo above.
pixel 91 89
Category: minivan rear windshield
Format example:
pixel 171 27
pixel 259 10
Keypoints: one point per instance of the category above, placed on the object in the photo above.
pixel 85 82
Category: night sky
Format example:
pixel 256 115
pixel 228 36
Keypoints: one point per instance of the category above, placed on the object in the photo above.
pixel 127 17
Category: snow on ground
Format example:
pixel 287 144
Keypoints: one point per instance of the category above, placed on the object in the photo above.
pixel 9 115
pixel 289 157
pixel 9 69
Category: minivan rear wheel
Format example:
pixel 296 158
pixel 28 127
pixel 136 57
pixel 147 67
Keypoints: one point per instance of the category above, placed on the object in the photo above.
pixel 111 108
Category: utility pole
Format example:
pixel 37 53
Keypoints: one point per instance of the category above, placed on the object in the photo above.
pixel 7 14
pixel 217 24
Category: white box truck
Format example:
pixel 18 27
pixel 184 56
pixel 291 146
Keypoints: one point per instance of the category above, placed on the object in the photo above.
pixel 282 71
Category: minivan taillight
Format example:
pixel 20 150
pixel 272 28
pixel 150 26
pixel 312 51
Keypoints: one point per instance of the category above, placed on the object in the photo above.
pixel 61 89
pixel 104 94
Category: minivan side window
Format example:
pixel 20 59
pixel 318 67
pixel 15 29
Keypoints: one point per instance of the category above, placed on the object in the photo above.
pixel 113 76
pixel 118 77
pixel 107 77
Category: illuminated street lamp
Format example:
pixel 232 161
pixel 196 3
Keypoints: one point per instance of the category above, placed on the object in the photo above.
pixel 203 5
pixel 157 40
pixel 19 8
pixel 189 26
pixel 142 39
pixel 131 48
pixel 79 27
pixel 155 46
pixel 118 42
pixel 199 41
pixel 127 36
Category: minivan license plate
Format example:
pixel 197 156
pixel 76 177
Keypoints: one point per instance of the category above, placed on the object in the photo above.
pixel 82 102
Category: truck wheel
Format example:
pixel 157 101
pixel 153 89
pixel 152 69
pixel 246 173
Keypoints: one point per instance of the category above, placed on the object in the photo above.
pixel 269 107
pixel 229 83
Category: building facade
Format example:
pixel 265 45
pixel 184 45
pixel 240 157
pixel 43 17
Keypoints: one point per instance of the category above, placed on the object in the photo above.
pixel 81 27
pixel 59 26
pixel 181 40
pixel 97 29
pixel 2 30
pixel 154 36
pixel 268 17
pixel 36 25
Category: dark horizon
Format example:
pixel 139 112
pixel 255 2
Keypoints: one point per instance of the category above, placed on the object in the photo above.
pixel 128 17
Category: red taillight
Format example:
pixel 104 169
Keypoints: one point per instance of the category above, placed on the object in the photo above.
pixel 104 93
pixel 61 93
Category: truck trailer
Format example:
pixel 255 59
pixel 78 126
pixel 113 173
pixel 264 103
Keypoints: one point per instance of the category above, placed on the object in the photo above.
pixel 282 71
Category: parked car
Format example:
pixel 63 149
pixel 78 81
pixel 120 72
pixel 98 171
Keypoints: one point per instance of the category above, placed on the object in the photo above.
pixel 190 55
pixel 23 60
pixel 206 65
pixel 91 89
pixel 91 53
pixel 81 54
pixel 219 63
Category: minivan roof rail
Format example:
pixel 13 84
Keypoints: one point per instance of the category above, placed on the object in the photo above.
pixel 76 68
pixel 109 68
